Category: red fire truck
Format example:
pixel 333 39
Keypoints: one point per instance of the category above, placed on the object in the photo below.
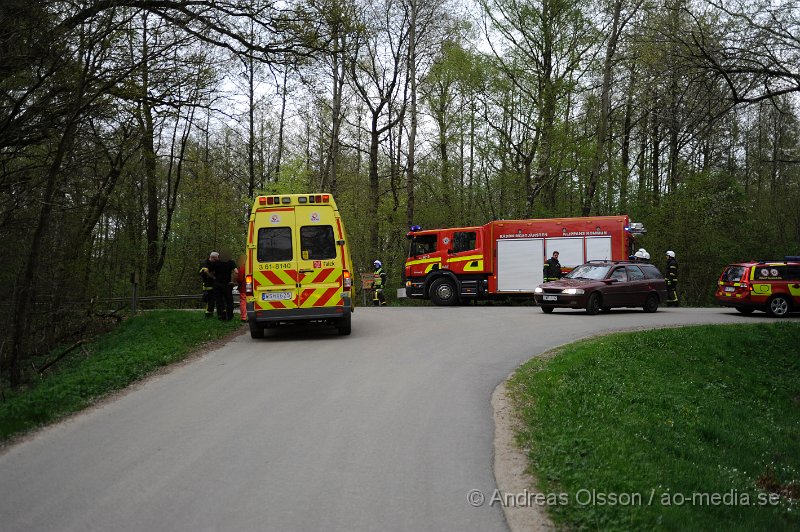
pixel 506 257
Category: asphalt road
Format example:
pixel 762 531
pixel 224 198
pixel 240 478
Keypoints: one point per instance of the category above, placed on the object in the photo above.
pixel 388 429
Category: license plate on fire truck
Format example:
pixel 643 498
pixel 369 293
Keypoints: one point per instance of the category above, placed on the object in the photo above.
pixel 550 298
pixel 276 296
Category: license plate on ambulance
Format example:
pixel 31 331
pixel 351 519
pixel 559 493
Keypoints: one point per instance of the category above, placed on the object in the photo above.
pixel 276 296
pixel 729 288
pixel 549 298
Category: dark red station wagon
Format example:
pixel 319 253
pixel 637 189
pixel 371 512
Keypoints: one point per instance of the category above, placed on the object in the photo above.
pixel 601 285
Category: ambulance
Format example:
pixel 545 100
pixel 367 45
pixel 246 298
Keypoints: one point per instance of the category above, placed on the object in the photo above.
pixel 505 258
pixel 297 263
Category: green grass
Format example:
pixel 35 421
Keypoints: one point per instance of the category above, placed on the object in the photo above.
pixel 666 414
pixel 111 362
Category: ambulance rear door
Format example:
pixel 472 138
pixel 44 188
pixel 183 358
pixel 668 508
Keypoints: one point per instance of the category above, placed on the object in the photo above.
pixel 319 257
pixel 274 262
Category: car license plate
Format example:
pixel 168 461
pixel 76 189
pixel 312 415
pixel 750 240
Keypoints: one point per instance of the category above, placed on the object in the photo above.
pixel 549 298
pixel 729 288
pixel 276 296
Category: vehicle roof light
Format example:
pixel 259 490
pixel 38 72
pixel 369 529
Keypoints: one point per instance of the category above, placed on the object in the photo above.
pixel 270 200
pixel 286 200
pixel 325 198
pixel 318 198
pixel 302 199
pixel 416 228
pixel 262 200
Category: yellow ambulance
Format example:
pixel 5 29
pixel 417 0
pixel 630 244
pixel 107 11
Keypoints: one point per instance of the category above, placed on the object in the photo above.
pixel 297 265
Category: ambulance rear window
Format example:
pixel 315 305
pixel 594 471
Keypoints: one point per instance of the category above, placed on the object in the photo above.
pixel 274 244
pixel 317 243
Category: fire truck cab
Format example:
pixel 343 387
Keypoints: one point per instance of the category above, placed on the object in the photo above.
pixel 506 257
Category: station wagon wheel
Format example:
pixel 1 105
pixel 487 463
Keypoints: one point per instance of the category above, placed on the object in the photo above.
pixel 651 303
pixel 778 306
pixel 443 292
pixel 594 304
pixel 547 309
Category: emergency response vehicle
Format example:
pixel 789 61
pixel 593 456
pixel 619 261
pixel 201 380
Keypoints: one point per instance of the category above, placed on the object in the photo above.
pixel 506 257
pixel 771 286
pixel 297 265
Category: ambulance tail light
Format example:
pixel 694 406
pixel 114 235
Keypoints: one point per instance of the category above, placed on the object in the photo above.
pixel 248 285
pixel 347 283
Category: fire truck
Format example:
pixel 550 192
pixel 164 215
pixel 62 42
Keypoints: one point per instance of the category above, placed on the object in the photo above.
pixel 506 257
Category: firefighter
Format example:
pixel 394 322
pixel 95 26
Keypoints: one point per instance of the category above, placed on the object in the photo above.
pixel 378 297
pixel 641 256
pixel 225 272
pixel 207 277
pixel 552 268
pixel 672 279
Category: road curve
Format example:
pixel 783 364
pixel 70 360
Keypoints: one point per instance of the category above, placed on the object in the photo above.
pixel 388 429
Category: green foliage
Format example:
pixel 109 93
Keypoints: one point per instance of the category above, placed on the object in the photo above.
pixel 710 409
pixel 111 362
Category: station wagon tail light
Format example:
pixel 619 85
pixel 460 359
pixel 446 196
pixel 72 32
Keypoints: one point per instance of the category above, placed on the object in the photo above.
pixel 347 283
pixel 248 285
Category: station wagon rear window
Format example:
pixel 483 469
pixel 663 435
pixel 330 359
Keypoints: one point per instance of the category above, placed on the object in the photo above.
pixel 733 274
pixel 317 243
pixel 274 244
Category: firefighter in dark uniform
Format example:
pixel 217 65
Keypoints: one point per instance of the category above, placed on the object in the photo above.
pixel 209 297
pixel 225 272
pixel 672 279
pixel 552 268
pixel 378 297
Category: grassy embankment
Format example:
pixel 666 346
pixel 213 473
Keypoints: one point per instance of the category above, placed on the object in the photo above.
pixel 672 429
pixel 135 349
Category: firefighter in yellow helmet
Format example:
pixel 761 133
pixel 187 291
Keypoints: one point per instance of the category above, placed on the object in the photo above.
pixel 379 298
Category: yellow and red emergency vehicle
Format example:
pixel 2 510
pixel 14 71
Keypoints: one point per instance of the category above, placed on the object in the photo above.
pixel 297 265
pixel 506 257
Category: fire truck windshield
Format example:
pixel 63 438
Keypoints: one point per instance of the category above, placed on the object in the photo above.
pixel 422 244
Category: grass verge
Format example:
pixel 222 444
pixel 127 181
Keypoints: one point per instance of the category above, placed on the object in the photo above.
pixel 135 349
pixel 694 428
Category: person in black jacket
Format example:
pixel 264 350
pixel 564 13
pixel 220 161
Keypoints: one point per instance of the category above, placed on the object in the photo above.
pixel 552 268
pixel 672 279
pixel 209 297
pixel 225 272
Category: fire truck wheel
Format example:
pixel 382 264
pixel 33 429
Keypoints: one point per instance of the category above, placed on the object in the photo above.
pixel 443 292
pixel 778 306
pixel 256 329
pixel 594 304
pixel 651 303
pixel 547 310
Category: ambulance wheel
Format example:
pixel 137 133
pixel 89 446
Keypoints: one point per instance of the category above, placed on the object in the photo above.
pixel 256 329
pixel 594 304
pixel 547 310
pixel 443 292
pixel 778 306
pixel 651 303
pixel 344 324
